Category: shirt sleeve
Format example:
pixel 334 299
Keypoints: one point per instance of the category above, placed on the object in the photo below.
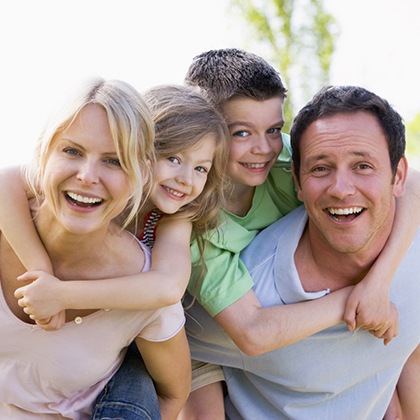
pixel 226 278
pixel 166 324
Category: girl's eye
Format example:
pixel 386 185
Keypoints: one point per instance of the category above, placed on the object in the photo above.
pixel 201 169
pixel 173 159
pixel 71 151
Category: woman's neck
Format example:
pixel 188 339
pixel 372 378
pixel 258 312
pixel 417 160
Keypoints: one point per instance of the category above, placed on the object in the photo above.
pixel 68 250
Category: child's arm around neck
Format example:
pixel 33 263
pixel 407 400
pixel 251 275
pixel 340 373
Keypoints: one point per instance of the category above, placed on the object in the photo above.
pixel 16 221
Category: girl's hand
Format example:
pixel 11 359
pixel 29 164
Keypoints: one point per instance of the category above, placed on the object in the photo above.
pixel 41 299
pixel 52 323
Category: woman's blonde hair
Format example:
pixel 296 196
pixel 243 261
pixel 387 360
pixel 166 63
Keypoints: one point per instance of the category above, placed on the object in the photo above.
pixel 183 117
pixel 131 127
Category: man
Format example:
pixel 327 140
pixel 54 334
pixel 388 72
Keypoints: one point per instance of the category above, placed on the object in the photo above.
pixel 349 167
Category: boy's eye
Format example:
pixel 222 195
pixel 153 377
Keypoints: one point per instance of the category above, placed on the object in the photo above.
pixel 173 159
pixel 274 130
pixel 240 133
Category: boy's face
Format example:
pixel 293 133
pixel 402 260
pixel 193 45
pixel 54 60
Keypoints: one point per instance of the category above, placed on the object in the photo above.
pixel 255 138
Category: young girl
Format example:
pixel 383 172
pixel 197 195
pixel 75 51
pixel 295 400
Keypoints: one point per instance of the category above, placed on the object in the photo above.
pixel 185 197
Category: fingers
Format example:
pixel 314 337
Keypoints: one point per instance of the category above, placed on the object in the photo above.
pixel 385 332
pixel 350 315
pixel 53 323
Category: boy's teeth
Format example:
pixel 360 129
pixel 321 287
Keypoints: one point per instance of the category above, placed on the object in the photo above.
pixel 81 199
pixel 255 165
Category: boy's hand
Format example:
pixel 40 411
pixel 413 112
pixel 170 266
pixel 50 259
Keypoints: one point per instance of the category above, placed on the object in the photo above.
pixel 368 307
pixel 389 329
pixel 41 299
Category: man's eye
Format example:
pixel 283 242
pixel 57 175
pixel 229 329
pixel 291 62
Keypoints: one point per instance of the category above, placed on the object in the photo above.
pixel 319 169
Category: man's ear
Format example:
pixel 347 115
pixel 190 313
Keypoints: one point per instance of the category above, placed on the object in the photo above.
pixel 297 185
pixel 400 178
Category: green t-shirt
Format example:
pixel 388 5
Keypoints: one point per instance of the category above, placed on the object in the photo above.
pixel 227 279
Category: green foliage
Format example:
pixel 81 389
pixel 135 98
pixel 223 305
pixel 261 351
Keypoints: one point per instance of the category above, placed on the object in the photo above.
pixel 298 37
pixel 413 141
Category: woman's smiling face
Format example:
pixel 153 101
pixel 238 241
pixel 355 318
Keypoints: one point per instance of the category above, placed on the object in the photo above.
pixel 83 180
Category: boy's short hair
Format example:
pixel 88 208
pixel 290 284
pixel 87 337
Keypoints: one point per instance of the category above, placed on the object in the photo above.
pixel 225 73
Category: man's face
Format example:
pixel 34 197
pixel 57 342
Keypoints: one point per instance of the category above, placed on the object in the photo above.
pixel 346 182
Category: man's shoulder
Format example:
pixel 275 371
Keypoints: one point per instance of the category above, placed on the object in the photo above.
pixel 289 226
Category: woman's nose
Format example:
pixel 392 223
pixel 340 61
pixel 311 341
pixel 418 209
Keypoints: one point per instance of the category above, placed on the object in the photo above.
pixel 88 173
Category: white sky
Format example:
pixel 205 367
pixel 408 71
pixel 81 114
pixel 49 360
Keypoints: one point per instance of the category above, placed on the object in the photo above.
pixel 48 46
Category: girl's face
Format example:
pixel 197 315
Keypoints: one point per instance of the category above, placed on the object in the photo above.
pixel 255 138
pixel 84 183
pixel 180 179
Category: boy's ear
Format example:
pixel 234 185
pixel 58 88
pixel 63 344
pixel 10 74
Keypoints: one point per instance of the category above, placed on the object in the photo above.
pixel 400 178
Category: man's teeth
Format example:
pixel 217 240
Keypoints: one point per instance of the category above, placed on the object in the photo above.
pixel 345 212
pixel 81 199
pixel 173 192
pixel 254 165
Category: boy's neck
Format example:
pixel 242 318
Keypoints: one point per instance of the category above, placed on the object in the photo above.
pixel 239 201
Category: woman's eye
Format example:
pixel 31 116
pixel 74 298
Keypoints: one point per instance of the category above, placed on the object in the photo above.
pixel 114 161
pixel 71 151
pixel 173 159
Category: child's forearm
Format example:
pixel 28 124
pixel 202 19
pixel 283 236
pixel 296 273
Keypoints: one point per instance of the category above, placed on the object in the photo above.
pixel 16 222
pixel 142 291
pixel 406 224
pixel 368 305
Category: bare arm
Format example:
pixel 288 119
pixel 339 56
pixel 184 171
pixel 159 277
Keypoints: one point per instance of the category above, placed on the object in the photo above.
pixel 408 387
pixel 169 365
pixel 257 330
pixel 16 221
pixel 394 411
pixel 368 305
pixel 163 285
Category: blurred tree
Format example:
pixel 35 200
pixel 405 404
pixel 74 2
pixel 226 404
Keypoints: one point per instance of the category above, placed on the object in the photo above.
pixel 299 38
pixel 413 141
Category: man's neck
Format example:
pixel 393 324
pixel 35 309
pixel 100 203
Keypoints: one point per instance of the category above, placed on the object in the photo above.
pixel 321 267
